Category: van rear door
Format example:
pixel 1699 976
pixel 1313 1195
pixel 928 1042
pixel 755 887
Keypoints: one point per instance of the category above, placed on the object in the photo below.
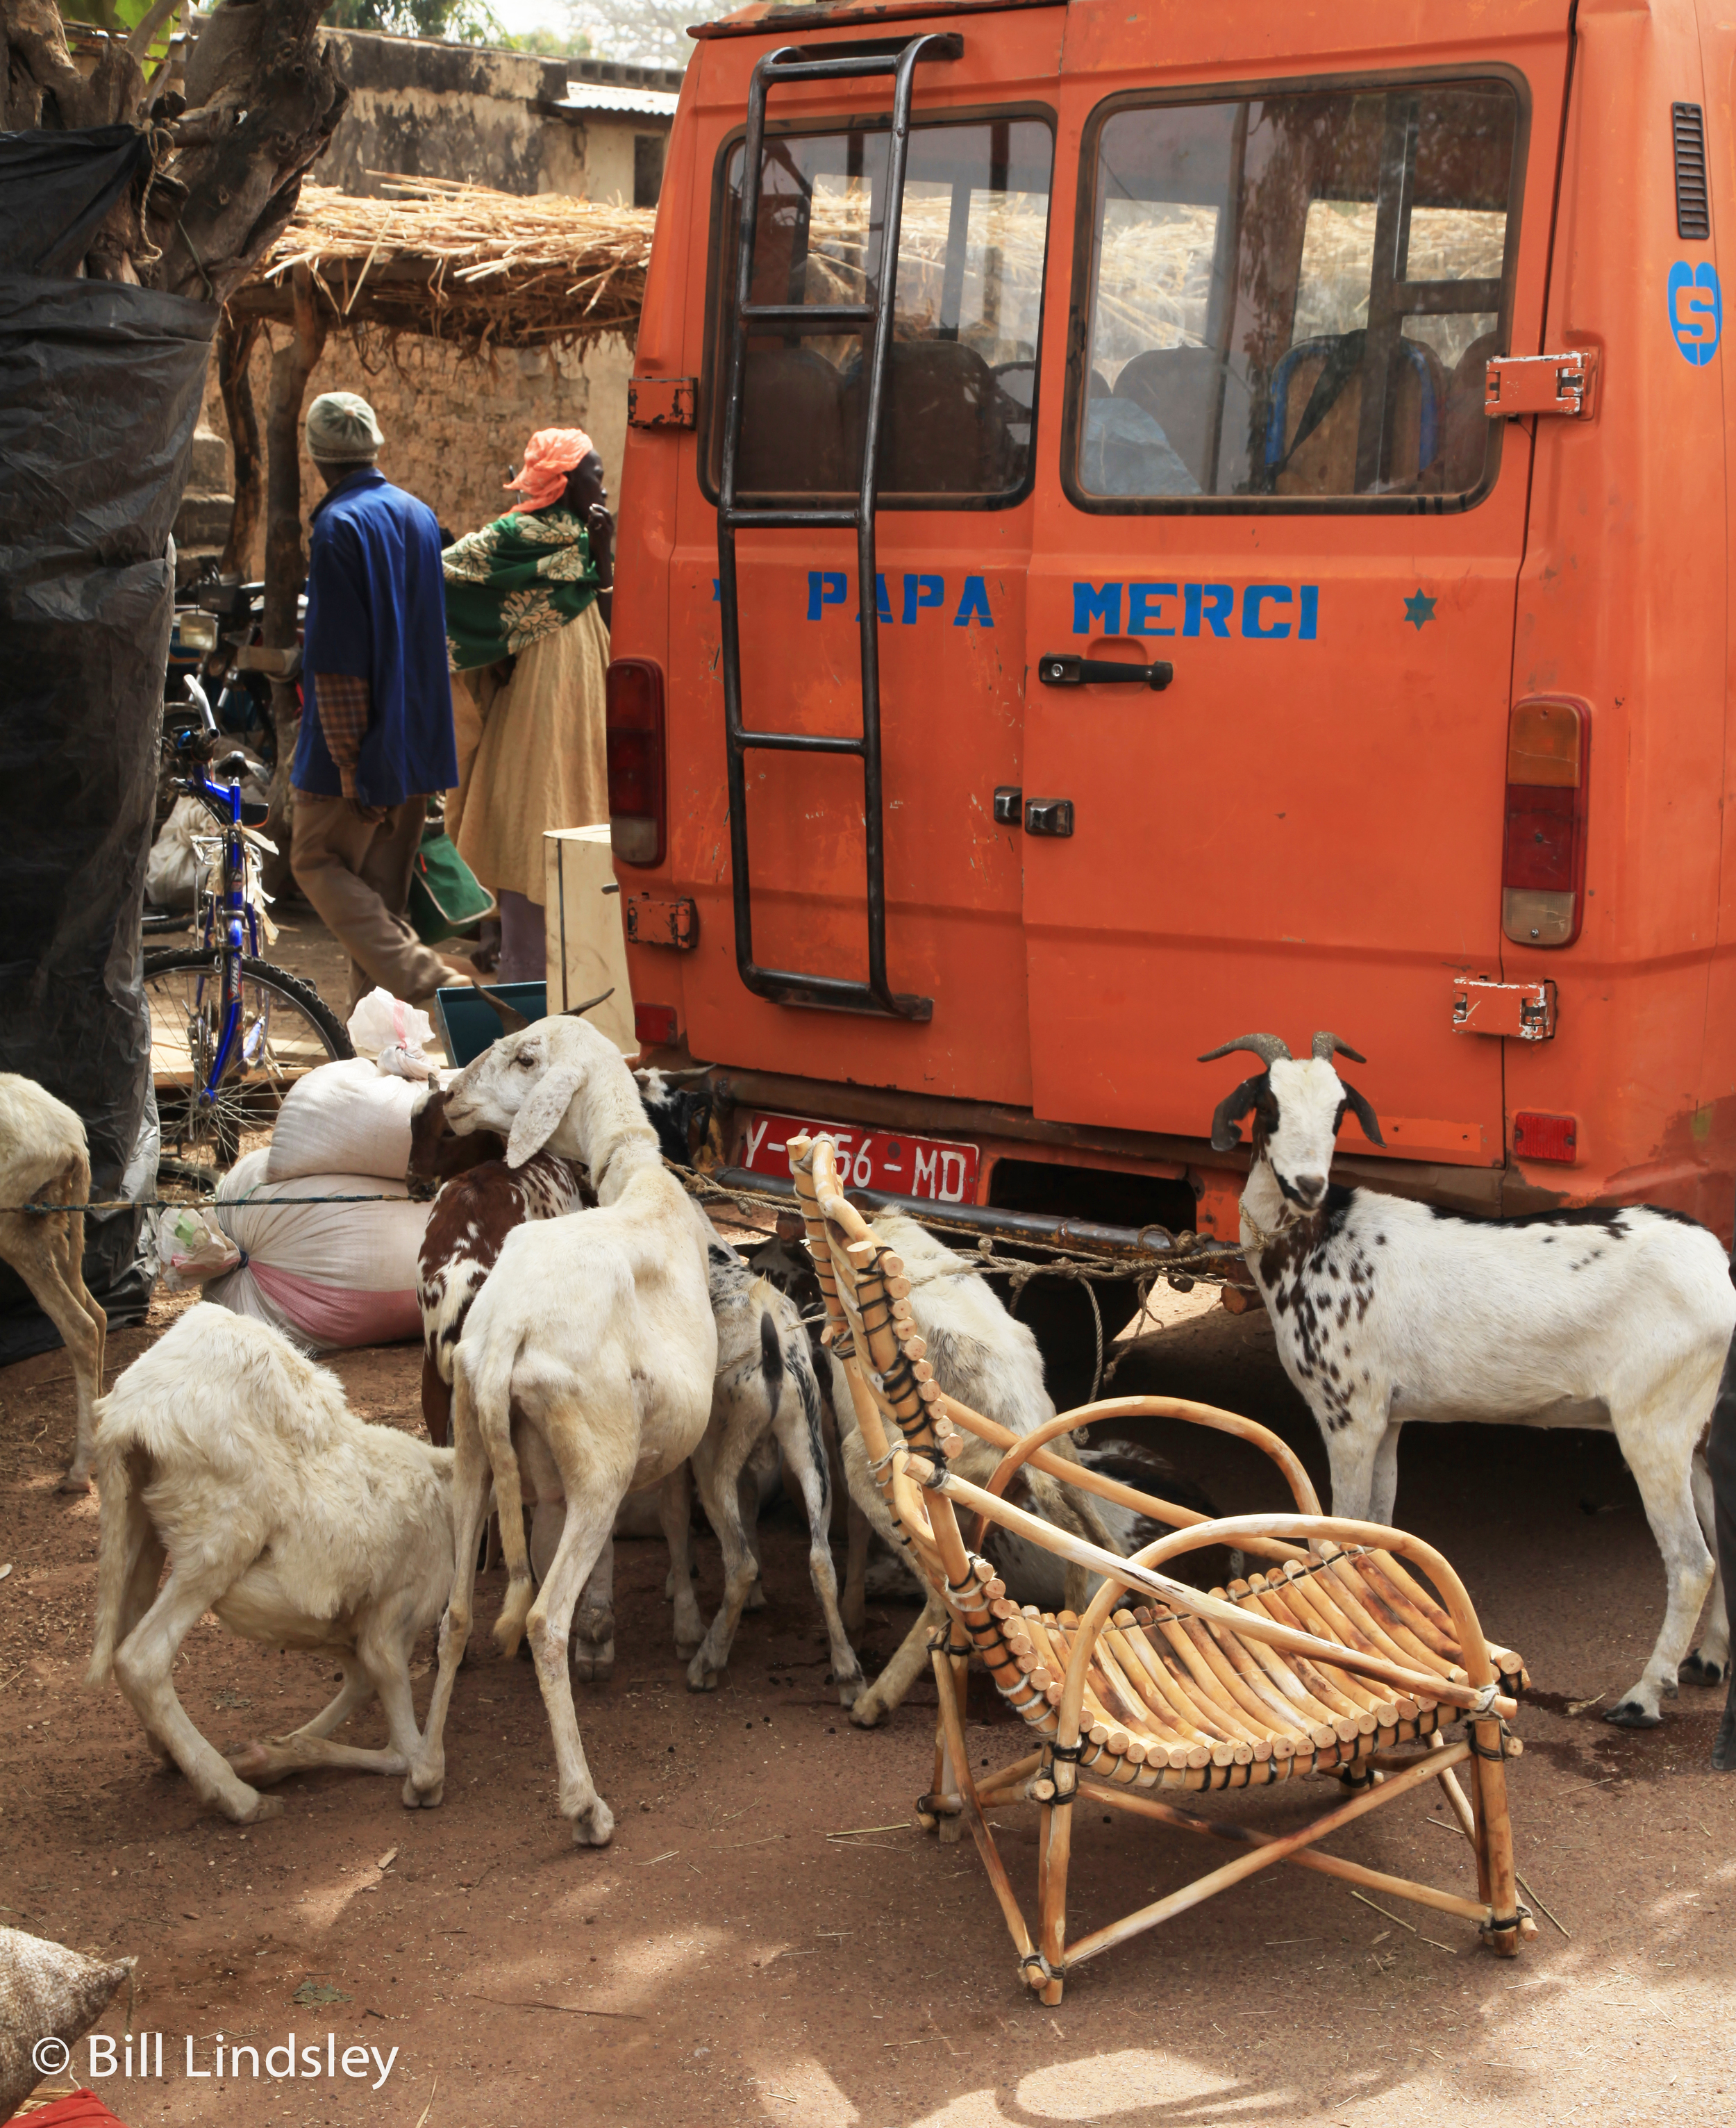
pixel 956 470
pixel 1278 478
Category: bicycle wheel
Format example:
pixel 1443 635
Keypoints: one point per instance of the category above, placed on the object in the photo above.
pixel 286 1029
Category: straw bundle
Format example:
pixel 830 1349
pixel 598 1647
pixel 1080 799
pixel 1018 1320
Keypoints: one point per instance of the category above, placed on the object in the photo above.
pixel 462 262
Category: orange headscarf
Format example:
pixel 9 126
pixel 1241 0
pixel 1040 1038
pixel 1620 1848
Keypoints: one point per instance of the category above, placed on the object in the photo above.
pixel 549 456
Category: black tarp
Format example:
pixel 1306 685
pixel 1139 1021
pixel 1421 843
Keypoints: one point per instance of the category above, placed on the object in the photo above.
pixel 100 385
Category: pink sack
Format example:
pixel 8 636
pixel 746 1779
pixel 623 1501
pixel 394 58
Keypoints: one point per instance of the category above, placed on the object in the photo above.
pixel 329 1275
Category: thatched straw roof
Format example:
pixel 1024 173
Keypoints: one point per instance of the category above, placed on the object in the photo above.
pixel 463 264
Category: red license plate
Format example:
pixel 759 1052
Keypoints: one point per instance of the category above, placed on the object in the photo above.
pixel 888 1161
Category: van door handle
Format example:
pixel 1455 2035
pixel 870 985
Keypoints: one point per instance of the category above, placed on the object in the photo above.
pixel 1048 816
pixel 1061 669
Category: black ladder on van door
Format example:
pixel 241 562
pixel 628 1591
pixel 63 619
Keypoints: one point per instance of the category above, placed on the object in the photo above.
pixel 791 63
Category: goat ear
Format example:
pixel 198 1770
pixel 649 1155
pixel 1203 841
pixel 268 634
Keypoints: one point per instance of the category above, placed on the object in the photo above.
pixel 1364 1114
pixel 1226 1116
pixel 539 1119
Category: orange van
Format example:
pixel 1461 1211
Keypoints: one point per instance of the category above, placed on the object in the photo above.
pixel 1145 522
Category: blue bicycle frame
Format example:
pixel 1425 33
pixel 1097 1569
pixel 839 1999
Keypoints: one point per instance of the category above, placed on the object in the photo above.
pixel 230 908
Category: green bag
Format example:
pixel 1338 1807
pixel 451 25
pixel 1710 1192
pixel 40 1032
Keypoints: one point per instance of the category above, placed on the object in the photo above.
pixel 445 895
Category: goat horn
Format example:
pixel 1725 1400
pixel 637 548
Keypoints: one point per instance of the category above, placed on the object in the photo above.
pixel 1328 1046
pixel 512 1020
pixel 578 1011
pixel 1266 1047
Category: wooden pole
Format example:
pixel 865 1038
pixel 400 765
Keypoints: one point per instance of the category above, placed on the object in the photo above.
pixel 286 560
pixel 236 339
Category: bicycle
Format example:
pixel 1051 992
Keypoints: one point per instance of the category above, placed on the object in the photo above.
pixel 230 1033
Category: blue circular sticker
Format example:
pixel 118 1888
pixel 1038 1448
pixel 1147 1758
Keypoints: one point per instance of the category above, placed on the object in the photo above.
pixel 1696 310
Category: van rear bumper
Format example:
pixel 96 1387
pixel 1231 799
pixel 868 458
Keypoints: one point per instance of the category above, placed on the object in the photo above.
pixel 1002 1132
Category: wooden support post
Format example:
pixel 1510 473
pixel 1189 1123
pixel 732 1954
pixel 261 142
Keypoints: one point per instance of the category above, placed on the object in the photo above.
pixel 286 561
pixel 236 339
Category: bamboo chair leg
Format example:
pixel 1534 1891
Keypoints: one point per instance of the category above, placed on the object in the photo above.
pixel 1057 1848
pixel 1495 1846
pixel 999 1883
pixel 948 1780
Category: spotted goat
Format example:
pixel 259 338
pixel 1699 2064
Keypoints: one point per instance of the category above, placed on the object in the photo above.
pixel 1617 1318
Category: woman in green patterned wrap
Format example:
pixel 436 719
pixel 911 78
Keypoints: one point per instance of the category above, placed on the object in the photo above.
pixel 525 621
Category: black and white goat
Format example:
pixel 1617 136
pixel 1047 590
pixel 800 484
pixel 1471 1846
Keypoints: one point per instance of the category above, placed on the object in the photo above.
pixel 1386 1310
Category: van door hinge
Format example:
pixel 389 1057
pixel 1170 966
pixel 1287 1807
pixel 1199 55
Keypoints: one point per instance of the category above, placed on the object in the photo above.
pixel 654 922
pixel 662 402
pixel 1515 384
pixel 1521 1012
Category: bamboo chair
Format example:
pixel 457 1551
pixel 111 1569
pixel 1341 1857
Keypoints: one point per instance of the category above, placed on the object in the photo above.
pixel 1336 1659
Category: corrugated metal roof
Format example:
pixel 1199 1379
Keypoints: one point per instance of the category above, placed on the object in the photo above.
pixel 604 95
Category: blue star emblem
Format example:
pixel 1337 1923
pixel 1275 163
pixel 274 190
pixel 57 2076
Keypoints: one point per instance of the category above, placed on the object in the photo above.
pixel 1419 607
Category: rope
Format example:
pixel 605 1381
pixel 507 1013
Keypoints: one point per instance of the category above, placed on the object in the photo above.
pixel 1075 1262
pixel 185 1204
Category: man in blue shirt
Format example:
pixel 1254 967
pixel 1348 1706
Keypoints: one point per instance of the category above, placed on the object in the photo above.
pixel 377 732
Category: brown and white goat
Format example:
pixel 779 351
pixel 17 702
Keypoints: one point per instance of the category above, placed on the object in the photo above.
pixel 478 1203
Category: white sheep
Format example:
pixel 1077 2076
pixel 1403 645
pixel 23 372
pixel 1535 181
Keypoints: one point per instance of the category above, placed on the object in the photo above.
pixel 1386 1310
pixel 766 1384
pixel 990 1363
pixel 593 1342
pixel 45 1160
pixel 230 1453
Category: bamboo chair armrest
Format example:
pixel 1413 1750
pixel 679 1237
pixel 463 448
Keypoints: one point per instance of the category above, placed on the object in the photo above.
pixel 1301 1488
pixel 1033 1447
pixel 1476 1695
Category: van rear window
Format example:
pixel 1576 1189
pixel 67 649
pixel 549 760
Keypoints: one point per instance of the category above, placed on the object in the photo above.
pixel 967 311
pixel 1293 297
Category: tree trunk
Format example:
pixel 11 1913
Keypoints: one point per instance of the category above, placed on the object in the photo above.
pixel 236 339
pixel 263 99
pixel 286 560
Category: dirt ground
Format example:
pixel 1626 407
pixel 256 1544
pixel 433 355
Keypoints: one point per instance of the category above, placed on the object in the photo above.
pixel 720 1961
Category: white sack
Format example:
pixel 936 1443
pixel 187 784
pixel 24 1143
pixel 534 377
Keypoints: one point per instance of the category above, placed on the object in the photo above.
pixel 326 1275
pixel 172 870
pixel 345 1118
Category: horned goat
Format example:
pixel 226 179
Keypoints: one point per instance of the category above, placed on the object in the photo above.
pixel 45 1160
pixel 230 1454
pixel 594 1339
pixel 1386 1310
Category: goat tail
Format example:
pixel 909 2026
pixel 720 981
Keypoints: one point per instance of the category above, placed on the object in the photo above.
pixel 483 1387
pixel 121 1532
pixel 771 1346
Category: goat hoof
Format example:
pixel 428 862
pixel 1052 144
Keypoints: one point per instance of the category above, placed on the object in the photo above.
pixel 867 1713
pixel 261 1807
pixel 701 1677
pixel 1724 1750
pixel 74 1481
pixel 755 1598
pixel 1631 1715
pixel 420 1793
pixel 593 1669
pixel 249 1762
pixel 593 1827
pixel 1697 1670
pixel 851 1690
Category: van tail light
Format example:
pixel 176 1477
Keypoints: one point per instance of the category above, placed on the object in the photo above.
pixel 638 771
pixel 656 1026
pixel 1543 865
pixel 1537 1137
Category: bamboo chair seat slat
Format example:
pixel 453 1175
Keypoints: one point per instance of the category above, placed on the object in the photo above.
pixel 1334 1659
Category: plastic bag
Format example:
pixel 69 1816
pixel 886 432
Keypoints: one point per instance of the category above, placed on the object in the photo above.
pixel 329 1275
pixel 344 1118
pixel 192 1247
pixel 382 1023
